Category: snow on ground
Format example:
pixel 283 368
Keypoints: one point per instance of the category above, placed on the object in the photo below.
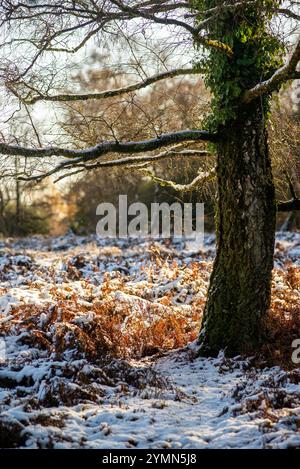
pixel 64 302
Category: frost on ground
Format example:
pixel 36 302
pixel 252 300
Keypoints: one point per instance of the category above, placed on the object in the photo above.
pixel 100 350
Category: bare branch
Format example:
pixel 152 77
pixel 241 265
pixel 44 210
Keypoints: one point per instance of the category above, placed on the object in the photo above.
pixel 132 162
pixel 290 184
pixel 294 203
pixel 285 73
pixel 107 93
pixel 138 12
pixel 202 178
pixel 289 206
pixel 104 148
pixel 287 12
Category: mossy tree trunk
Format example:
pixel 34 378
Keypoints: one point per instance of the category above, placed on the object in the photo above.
pixel 239 292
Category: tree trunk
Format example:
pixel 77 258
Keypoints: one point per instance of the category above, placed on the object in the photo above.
pixel 240 284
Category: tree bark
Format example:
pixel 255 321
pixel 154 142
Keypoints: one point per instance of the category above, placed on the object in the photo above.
pixel 240 284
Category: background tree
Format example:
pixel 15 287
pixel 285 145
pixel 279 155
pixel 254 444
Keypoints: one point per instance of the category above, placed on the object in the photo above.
pixel 244 59
pixel 165 106
pixel 25 208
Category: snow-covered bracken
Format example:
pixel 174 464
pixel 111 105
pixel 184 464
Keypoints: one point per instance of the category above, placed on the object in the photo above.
pixel 101 352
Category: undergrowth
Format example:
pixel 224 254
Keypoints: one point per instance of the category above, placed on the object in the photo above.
pixel 137 319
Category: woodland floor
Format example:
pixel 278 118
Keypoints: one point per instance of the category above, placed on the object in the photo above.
pixel 100 350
